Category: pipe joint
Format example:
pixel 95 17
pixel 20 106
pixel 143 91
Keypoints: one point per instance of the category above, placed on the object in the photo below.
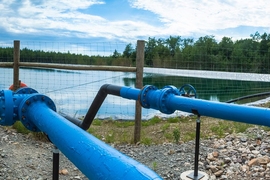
pixel 29 102
pixel 25 90
pixel 37 113
pixel 9 102
pixel 167 92
pixel 151 97
pixel 7 108
pixel 144 96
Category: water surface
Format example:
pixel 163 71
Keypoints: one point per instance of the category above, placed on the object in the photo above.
pixel 74 91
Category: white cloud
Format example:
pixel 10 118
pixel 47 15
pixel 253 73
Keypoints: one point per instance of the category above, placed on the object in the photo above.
pixel 201 16
pixel 177 17
pixel 63 18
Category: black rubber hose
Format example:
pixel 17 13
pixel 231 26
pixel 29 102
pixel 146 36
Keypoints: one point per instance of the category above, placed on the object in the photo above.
pixel 248 96
pixel 71 119
pixel 93 109
pixel 100 97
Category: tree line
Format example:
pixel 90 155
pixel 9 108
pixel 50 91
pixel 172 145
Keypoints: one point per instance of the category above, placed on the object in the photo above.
pixel 206 53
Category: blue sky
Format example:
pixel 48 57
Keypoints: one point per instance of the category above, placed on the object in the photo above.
pixel 126 21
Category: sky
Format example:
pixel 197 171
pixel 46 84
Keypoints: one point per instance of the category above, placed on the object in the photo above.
pixel 126 21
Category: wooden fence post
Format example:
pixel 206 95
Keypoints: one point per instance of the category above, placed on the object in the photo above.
pixel 16 61
pixel 139 85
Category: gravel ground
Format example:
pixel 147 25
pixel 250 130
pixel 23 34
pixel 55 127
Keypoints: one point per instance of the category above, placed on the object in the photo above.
pixel 240 156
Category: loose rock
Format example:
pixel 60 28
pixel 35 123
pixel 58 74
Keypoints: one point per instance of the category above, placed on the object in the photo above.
pixel 233 157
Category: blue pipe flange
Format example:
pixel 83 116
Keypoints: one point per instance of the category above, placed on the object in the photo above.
pixel 167 91
pixel 33 100
pixel 7 110
pixel 151 97
pixel 175 91
pixel 19 95
pixel 25 90
pixel 188 90
pixel 143 96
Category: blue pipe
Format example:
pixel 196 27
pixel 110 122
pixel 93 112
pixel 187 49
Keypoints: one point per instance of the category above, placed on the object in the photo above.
pixel 6 101
pixel 245 114
pixel 9 102
pixel 93 157
pixel 130 93
pixel 167 101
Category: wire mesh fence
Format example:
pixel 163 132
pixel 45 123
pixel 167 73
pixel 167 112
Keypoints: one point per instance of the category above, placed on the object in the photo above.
pixel 217 73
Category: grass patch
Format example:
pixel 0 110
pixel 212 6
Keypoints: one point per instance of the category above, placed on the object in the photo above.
pixel 224 127
pixel 189 136
pixel 146 141
pixel 20 128
pixel 154 165
pixel 165 127
pixel 176 135
pixel 174 120
pixel 153 121
pixel 241 127
pixel 124 124
pixel 157 130
pixel 110 137
pixel 97 122
pixel 168 136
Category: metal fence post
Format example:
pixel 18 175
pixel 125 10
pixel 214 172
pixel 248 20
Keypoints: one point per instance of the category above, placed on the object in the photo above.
pixel 139 85
pixel 16 61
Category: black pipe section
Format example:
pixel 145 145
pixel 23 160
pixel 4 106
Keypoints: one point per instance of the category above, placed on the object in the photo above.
pixel 71 119
pixel 97 102
pixel 93 109
pixel 248 96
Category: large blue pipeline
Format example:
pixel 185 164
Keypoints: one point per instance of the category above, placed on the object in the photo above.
pixel 93 157
pixel 169 99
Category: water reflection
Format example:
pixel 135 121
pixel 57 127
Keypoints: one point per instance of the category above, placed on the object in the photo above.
pixel 74 91
pixel 214 98
pixel 208 89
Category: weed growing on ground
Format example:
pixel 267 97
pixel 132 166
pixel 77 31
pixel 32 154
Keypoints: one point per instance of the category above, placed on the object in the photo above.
pixel 154 165
pixel 165 127
pixel 97 122
pixel 189 136
pixel 174 120
pixel 110 137
pixel 146 141
pixel 168 136
pixel 176 135
pixel 153 121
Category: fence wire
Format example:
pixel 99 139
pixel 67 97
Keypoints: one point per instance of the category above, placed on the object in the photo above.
pixel 74 90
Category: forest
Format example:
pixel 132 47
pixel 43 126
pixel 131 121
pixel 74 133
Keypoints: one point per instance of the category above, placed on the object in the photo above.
pixel 206 53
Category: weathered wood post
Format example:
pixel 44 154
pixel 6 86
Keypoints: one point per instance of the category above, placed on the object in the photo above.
pixel 16 61
pixel 139 85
